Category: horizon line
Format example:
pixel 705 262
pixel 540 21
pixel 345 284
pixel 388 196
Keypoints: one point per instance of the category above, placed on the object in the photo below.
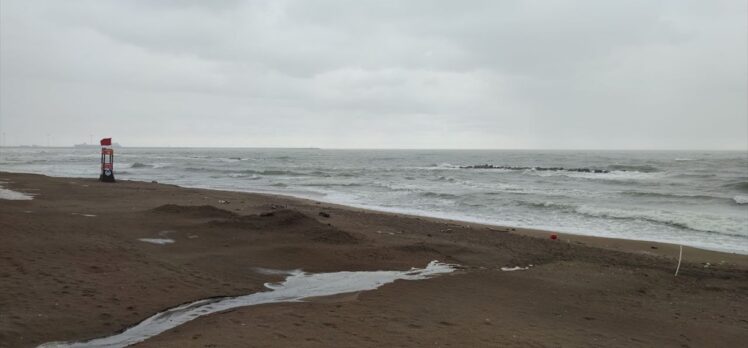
pixel 371 148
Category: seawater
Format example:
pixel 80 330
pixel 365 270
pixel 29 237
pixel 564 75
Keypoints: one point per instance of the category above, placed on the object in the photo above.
pixel 297 287
pixel 697 198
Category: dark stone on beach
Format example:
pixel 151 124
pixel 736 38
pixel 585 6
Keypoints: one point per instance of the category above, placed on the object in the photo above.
pixel 323 214
pixel 154 182
pixel 267 214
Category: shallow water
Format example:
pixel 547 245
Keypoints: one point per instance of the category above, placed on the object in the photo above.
pixel 696 198
pixel 159 241
pixel 14 195
pixel 295 288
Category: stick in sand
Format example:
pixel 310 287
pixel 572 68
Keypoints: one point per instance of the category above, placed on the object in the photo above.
pixel 680 257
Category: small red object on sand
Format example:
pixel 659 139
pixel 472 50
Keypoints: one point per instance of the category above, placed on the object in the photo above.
pixel 554 236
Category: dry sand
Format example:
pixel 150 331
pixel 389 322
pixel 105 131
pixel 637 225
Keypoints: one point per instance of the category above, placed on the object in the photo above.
pixel 72 267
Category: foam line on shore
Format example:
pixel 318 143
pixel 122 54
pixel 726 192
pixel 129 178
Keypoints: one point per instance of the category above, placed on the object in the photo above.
pixel 297 287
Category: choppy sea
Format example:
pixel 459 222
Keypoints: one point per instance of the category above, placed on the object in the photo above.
pixel 697 198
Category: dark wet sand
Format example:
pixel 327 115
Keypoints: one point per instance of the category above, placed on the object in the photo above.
pixel 65 276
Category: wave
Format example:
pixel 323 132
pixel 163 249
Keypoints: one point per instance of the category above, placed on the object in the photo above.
pixel 430 194
pixel 633 168
pixel 741 199
pixel 685 221
pixel 247 171
pixel 141 165
pixel 669 195
pixel 740 186
pixel 540 169
pixel 333 185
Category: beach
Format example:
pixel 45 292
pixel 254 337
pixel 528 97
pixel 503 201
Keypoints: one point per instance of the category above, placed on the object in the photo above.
pixel 85 259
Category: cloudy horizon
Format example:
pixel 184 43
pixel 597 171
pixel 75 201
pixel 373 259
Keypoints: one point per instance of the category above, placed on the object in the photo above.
pixel 376 74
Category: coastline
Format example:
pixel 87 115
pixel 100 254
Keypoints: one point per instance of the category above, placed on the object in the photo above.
pixel 61 264
pixel 616 243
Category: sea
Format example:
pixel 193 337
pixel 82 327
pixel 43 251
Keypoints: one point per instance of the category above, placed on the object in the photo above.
pixel 695 198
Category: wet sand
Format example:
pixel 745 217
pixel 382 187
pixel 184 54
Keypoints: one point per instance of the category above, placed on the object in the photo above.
pixel 73 267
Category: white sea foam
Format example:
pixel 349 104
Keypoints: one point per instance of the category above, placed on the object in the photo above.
pixel 297 287
pixel 741 199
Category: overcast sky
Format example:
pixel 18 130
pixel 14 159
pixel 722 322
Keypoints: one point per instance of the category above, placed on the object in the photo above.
pixel 377 74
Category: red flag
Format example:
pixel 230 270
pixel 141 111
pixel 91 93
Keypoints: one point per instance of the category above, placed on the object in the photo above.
pixel 106 141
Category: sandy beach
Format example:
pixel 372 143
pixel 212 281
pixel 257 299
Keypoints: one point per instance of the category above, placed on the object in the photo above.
pixel 74 266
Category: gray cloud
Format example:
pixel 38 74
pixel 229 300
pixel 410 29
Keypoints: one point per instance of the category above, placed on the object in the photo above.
pixel 434 74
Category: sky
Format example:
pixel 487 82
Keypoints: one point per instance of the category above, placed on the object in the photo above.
pixel 376 74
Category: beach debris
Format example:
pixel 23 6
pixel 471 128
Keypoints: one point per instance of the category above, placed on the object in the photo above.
pixel 680 258
pixel 267 214
pixel 154 182
pixel 221 201
pixel 324 215
pixel 275 206
pixel 554 236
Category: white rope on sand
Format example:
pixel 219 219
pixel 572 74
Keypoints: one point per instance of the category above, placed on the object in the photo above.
pixel 680 257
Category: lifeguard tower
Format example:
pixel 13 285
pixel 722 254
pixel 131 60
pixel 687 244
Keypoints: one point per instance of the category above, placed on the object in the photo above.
pixel 107 161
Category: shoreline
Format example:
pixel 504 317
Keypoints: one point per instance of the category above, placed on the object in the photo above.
pixel 73 266
pixel 617 242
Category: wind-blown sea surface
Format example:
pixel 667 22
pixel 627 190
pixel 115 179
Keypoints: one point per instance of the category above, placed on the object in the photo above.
pixel 696 198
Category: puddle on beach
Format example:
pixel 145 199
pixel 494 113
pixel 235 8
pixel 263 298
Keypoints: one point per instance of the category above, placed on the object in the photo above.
pixel 159 241
pixel 86 215
pixel 14 195
pixel 516 268
pixel 297 287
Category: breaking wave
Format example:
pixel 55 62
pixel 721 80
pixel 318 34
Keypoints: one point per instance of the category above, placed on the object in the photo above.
pixel 633 168
pixel 693 222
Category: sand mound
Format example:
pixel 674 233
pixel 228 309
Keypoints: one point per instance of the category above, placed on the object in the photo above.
pixel 418 248
pixel 291 223
pixel 195 211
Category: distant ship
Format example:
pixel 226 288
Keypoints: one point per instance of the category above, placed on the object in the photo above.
pixel 93 146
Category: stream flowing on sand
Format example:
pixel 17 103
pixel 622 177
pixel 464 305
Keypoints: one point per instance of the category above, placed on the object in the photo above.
pixel 297 286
